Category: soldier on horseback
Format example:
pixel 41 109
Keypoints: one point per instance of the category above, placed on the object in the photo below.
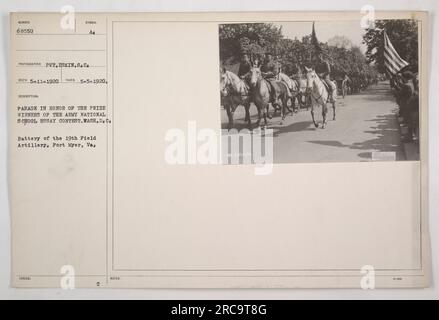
pixel 244 71
pixel 270 71
pixel 323 69
pixel 245 67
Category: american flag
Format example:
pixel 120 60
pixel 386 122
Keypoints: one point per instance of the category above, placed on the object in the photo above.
pixel 393 62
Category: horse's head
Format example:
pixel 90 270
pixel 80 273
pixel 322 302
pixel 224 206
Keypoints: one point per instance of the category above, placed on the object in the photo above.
pixel 224 82
pixel 311 76
pixel 255 75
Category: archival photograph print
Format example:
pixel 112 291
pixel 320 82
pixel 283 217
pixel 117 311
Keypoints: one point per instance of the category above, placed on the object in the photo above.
pixel 325 91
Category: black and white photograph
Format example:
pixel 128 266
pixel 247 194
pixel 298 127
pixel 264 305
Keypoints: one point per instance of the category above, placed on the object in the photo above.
pixel 252 153
pixel 328 91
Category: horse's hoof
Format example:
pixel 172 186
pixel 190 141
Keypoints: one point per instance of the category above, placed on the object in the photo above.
pixel 316 125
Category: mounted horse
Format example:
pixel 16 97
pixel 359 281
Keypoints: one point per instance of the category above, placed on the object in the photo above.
pixel 277 93
pixel 301 96
pixel 297 89
pixel 234 92
pixel 320 95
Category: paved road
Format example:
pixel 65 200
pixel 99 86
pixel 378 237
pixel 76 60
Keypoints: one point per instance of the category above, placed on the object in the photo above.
pixel 366 123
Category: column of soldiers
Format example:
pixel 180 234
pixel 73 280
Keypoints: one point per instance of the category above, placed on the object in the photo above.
pixel 406 91
pixel 270 68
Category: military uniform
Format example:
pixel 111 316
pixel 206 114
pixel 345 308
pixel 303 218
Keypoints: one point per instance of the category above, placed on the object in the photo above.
pixel 270 69
pixel 244 69
pixel 323 69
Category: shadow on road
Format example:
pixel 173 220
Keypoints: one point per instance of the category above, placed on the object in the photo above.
pixel 293 127
pixel 384 131
pixel 381 97
pixel 273 123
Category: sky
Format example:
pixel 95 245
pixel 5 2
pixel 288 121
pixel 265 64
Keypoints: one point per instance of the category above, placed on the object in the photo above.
pixel 326 30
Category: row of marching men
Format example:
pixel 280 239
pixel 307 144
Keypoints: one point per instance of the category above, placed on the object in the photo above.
pixel 405 86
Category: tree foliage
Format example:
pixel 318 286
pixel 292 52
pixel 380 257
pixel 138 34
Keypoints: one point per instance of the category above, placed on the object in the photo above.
pixel 259 38
pixel 404 37
pixel 254 38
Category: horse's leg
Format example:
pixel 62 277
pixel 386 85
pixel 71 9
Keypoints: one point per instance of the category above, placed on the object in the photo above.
pixel 265 116
pixel 275 103
pixel 312 115
pixel 247 115
pixel 303 101
pixel 287 107
pixel 230 116
pixel 291 99
pixel 268 113
pixel 333 108
pixel 284 106
pixel 275 108
pixel 324 112
pixel 282 112
pixel 258 106
pixel 293 105
pixel 298 102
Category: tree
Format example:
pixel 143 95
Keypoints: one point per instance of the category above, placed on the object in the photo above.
pixel 259 38
pixel 252 38
pixel 403 33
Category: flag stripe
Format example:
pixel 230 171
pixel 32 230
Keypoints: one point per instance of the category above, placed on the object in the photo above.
pixel 392 61
pixel 391 70
pixel 391 65
pixel 391 48
pixel 396 59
